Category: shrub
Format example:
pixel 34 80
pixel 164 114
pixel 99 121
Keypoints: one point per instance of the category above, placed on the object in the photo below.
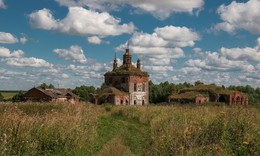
pixel 18 97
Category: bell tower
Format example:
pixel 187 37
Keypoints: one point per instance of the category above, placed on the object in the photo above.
pixel 131 82
pixel 138 64
pixel 127 59
pixel 115 64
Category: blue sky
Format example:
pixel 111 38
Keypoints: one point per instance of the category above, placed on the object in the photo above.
pixel 73 42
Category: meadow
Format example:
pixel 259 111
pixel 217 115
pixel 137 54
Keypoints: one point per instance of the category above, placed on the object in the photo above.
pixel 85 129
pixel 8 95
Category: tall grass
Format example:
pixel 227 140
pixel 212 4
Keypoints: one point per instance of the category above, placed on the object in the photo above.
pixel 52 129
pixel 44 129
pixel 187 130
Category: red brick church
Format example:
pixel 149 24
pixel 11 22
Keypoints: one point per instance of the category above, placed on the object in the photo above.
pixel 126 84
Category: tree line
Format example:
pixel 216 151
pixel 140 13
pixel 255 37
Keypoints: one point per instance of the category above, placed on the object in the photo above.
pixel 158 93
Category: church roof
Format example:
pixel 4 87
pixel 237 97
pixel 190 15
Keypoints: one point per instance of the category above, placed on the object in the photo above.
pixel 127 68
pixel 112 91
pixel 122 70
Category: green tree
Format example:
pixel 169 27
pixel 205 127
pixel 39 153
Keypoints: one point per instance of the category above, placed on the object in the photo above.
pixel 51 86
pixel 198 83
pixel 18 97
pixel 84 92
pixel 45 86
pixel 257 90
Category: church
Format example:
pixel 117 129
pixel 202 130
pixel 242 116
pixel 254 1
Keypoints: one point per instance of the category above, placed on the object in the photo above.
pixel 125 85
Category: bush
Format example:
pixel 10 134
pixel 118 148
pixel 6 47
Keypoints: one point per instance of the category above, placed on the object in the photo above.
pixel 1 97
pixel 18 97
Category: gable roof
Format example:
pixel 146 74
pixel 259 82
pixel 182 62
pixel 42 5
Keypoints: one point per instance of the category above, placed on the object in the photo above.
pixel 56 93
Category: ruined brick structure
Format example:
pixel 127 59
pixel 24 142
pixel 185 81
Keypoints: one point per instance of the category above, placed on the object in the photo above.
pixel 209 93
pixel 130 80
pixel 236 98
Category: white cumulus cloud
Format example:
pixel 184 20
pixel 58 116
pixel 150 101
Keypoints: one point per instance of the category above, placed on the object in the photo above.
pixel 74 53
pixel 94 40
pixel 178 36
pixel 160 9
pixel 2 4
pixel 43 19
pixel 17 59
pixel 7 38
pixel 23 40
pixel 161 47
pixel 213 61
pixel 6 53
pixel 27 62
pixel 247 53
pixel 237 15
pixel 80 21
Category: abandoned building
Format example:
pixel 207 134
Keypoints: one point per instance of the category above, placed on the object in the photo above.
pixel 208 93
pixel 51 95
pixel 189 97
pixel 125 85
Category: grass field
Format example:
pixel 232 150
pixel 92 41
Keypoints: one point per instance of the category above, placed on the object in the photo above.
pixel 84 129
pixel 8 94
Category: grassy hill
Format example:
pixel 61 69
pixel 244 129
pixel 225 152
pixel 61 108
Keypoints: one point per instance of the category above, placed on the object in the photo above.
pixel 84 129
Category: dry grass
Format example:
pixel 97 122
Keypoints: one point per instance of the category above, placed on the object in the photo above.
pixel 62 129
pixel 115 147
pixel 187 130
pixel 49 129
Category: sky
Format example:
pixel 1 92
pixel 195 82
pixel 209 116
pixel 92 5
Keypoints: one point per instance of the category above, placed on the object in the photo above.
pixel 70 43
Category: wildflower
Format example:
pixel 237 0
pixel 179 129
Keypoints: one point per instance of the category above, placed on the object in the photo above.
pixel 222 113
pixel 245 142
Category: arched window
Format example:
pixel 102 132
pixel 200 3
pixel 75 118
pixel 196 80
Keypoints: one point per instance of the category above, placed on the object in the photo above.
pixel 135 86
pixel 123 80
pixel 143 87
pixel 135 100
pixel 110 80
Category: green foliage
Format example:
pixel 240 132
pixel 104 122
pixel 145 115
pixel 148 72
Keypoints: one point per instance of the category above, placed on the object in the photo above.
pixel 84 92
pixel 123 71
pixel 198 83
pixel 18 97
pixel 45 86
pixel 1 97
pixel 108 107
pixel 8 95
pixel 159 93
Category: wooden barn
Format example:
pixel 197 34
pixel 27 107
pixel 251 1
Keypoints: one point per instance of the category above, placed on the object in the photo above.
pixel 57 95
